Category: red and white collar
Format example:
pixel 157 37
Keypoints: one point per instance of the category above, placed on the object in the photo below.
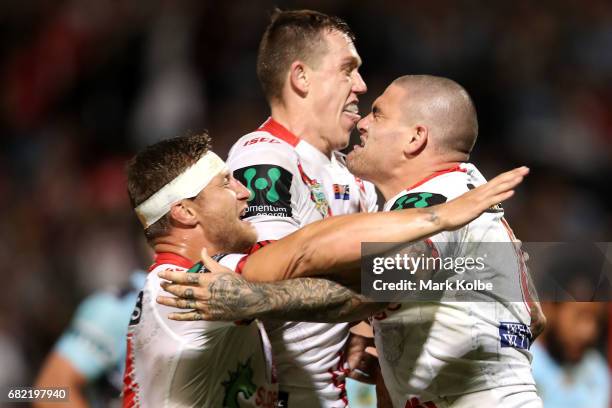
pixel 276 129
pixel 169 258
pixel 304 148
pixel 436 174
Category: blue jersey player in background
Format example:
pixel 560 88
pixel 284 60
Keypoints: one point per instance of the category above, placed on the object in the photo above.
pixel 89 357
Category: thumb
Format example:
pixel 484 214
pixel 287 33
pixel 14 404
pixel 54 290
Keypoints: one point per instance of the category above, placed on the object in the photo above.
pixel 209 263
pixel 372 351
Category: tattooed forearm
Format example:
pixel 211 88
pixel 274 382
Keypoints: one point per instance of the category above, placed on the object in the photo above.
pixel 433 215
pixel 228 296
pixel 303 299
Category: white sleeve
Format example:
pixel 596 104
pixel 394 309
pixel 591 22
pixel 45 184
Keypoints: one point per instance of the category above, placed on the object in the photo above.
pixel 371 197
pixel 271 174
pixel 190 334
pixel 193 334
pixel 438 191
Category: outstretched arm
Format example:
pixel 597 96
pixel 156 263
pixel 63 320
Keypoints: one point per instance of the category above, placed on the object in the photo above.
pixel 332 247
pixel 225 295
pixel 58 371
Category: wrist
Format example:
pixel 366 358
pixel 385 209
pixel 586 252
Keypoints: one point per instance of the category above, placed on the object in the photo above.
pixel 438 217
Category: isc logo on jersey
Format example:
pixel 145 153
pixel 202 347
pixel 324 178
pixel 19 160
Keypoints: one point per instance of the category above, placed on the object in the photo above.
pixel 261 140
pixel 269 187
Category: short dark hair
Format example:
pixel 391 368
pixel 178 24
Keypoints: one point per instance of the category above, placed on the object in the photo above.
pixel 157 165
pixel 292 35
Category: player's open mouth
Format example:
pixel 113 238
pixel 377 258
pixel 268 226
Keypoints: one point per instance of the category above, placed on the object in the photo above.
pixel 362 143
pixel 351 109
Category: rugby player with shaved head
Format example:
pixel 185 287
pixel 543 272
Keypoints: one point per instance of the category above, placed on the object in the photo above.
pixel 415 147
pixel 186 200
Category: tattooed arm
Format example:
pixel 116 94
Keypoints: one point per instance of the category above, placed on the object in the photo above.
pixel 332 247
pixel 228 296
pixel 225 295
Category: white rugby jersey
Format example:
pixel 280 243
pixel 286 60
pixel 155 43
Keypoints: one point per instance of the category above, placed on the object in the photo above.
pixel 194 364
pixel 293 184
pixel 431 350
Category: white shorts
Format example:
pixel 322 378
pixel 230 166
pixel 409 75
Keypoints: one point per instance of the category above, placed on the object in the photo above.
pixel 502 397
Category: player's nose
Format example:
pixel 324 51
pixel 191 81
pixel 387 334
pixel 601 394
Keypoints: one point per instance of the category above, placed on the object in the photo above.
pixel 359 85
pixel 242 193
pixel 362 125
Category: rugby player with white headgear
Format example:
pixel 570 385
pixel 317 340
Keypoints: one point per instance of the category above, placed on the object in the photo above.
pixel 187 200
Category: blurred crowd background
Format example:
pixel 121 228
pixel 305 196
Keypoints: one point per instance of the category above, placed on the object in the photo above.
pixel 84 84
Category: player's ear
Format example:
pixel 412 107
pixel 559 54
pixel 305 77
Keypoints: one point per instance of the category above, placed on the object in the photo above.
pixel 417 140
pixel 184 213
pixel 299 80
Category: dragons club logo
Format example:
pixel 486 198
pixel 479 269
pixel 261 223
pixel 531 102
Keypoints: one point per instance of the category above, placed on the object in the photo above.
pixel 240 382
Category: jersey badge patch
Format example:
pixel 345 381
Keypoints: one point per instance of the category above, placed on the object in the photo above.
pixel 418 200
pixel 317 194
pixel 269 188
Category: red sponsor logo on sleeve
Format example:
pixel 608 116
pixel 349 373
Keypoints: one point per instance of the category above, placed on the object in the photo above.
pixel 260 140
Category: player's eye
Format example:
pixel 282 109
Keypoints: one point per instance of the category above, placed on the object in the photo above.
pixel 348 69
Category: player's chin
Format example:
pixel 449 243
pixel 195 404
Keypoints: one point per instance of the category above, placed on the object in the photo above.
pixel 348 123
pixel 355 162
pixel 354 154
pixel 249 231
pixel 245 237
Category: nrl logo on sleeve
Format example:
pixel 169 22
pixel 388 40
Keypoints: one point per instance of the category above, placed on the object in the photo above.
pixel 269 188
pixel 418 200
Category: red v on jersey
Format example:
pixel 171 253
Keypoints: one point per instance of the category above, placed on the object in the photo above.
pixel 276 129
